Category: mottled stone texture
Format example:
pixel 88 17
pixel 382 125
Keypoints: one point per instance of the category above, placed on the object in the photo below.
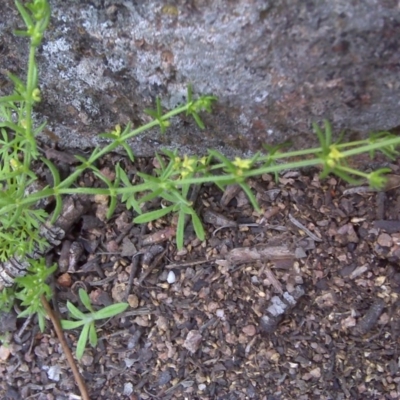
pixel 276 66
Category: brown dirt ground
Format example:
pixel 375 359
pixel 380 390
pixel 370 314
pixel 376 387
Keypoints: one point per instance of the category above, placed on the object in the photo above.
pixel 303 315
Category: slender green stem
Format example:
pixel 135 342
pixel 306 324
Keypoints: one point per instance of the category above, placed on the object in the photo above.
pixel 64 187
pixel 352 171
pixel 371 146
pixel 113 145
pixel 291 154
pixel 30 87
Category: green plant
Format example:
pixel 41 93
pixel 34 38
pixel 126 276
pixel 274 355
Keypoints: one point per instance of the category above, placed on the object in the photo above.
pixel 166 185
pixel 172 181
pixel 88 320
pixel 31 287
pixel 19 218
pixel 7 297
pixel 174 178
pixel 19 225
pixel 5 339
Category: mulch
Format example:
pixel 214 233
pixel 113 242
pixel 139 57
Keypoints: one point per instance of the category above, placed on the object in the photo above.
pixel 299 301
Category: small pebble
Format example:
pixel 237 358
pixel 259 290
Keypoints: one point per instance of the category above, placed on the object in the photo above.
pixel 118 292
pixel 162 323
pixel 41 351
pixel 249 330
pixel 171 278
pixel 385 240
pixel 87 360
pixel 64 280
pixel 112 246
pixel 128 389
pixel 133 300
pixel 54 373
pixel 4 352
pixel 164 378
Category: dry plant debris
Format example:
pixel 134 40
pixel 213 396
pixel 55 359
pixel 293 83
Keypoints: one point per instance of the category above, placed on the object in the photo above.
pixel 298 302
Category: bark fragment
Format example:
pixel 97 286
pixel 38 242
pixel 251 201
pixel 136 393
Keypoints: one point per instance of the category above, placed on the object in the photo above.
pixel 17 265
pixel 242 255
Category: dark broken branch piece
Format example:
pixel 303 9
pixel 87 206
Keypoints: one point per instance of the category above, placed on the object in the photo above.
pixel 242 255
pixel 369 320
pixel 72 210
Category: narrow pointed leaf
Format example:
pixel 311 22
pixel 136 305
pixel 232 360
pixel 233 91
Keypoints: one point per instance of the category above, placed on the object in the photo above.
pixel 110 311
pixel 41 322
pixel 92 335
pixel 151 196
pixel 84 297
pixel 180 229
pixel 128 150
pixel 53 170
pixel 18 32
pixel 12 97
pixel 39 128
pixel 103 178
pixel 75 312
pixel 250 196
pixel 198 226
pixel 198 120
pixel 159 109
pixel 112 206
pixel 152 215
pixel 321 137
pixel 328 132
pixel 57 209
pixel 65 324
pixel 80 348
pixel 24 14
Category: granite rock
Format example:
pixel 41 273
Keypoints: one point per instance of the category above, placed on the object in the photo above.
pixel 276 66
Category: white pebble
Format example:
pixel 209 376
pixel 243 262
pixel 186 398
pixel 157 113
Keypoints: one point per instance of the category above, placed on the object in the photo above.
pixel 171 278
pixel 128 389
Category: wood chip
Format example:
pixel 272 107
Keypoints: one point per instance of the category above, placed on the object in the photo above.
pixel 242 255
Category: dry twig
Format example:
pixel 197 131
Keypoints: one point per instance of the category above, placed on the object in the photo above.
pixel 60 334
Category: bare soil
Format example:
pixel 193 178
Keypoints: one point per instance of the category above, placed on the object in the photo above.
pixel 299 301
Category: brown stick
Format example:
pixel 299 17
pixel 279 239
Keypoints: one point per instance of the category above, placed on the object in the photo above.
pixel 60 334
pixel 241 255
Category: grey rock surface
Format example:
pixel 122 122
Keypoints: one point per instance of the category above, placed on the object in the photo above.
pixel 276 66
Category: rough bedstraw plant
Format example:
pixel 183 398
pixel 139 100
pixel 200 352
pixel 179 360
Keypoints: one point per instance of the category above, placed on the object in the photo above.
pixel 172 181
pixel 19 225
pixel 20 217
pixel 31 287
pixel 87 320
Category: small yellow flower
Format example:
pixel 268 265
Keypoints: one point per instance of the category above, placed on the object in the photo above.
pixel 117 131
pixel 203 160
pixel 177 163
pixel 188 166
pixel 241 164
pixel 334 156
pixel 184 174
pixel 14 164
pixel 36 95
pixel 188 163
